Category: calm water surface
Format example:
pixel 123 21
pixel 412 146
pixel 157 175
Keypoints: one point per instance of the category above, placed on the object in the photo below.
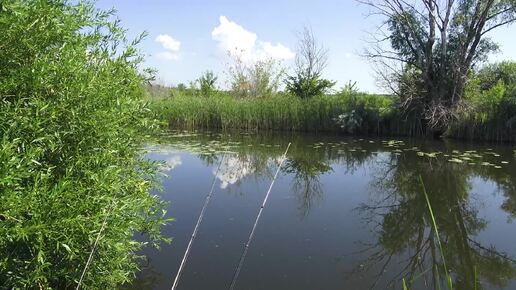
pixel 345 213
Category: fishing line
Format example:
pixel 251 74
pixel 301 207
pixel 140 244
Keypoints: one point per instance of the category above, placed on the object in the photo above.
pixel 94 248
pixel 199 220
pixel 244 253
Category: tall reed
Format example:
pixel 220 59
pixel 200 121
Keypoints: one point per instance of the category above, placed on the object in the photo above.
pixel 278 112
pixel 352 113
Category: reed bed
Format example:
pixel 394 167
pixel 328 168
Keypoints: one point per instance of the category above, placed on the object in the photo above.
pixel 367 114
pixel 278 112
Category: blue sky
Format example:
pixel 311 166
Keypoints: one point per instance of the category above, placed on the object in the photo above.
pixel 189 37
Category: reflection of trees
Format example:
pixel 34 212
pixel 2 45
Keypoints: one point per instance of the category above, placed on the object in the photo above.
pixel 148 278
pixel 506 181
pixel 399 212
pixel 258 159
pixel 404 226
pixel 306 167
pixel 306 184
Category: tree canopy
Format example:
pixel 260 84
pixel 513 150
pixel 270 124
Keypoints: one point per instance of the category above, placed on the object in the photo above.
pixel 438 41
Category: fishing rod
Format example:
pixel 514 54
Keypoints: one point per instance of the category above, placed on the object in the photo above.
pixel 94 248
pixel 246 247
pixel 199 220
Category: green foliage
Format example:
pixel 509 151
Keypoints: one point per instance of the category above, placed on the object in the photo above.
pixel 351 121
pixel 71 123
pixel 363 112
pixel 491 98
pixel 254 79
pixel 307 86
pixel 439 43
pixel 181 87
pixel 488 112
pixel 207 83
pixel 504 72
pixel 311 60
pixel 277 112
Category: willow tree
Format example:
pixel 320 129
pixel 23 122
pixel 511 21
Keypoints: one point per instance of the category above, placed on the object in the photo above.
pixel 73 177
pixel 427 48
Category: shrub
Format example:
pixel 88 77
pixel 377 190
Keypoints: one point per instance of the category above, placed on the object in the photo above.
pixel 71 123
pixel 252 79
pixel 306 86
pixel 207 83
pixel 490 111
pixel 362 113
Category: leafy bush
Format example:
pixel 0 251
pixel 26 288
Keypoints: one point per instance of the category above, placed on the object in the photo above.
pixel 490 97
pixel 351 121
pixel 504 72
pixel 307 86
pixel 181 87
pixel 71 123
pixel 252 79
pixel 362 113
pixel 207 83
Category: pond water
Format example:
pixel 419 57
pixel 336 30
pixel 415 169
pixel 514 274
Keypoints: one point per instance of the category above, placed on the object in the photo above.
pixel 344 213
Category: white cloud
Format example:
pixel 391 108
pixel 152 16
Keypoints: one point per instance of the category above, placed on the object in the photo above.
pixel 171 46
pixel 169 42
pixel 278 51
pixel 235 39
pixel 233 169
pixel 166 55
pixel 172 162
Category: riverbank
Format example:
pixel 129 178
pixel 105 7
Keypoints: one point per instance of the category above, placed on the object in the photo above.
pixel 347 113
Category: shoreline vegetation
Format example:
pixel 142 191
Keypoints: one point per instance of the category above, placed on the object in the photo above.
pixel 489 116
pixel 72 118
pixel 443 86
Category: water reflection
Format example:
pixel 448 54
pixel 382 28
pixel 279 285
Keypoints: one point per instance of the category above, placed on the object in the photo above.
pixel 306 183
pixel 403 243
pixel 171 163
pixel 233 169
pixel 403 225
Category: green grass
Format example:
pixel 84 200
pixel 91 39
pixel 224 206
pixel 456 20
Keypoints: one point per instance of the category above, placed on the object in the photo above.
pixel 278 112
